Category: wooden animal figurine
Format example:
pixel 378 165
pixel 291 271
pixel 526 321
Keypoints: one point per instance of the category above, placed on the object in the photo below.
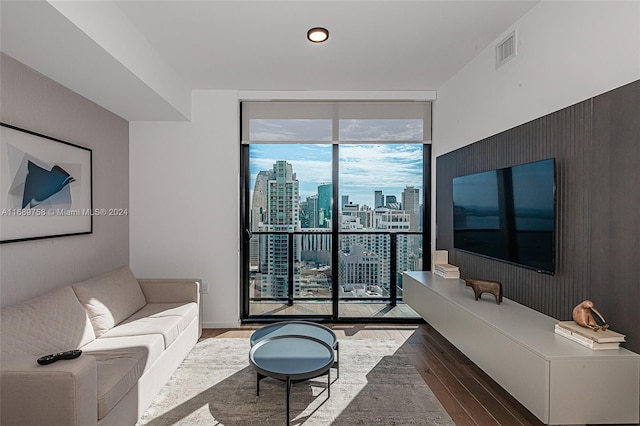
pixel 480 286
pixel 582 316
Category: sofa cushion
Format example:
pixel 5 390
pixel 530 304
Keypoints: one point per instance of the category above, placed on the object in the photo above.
pixel 53 322
pixel 167 319
pixel 186 311
pixel 168 327
pixel 110 298
pixel 121 361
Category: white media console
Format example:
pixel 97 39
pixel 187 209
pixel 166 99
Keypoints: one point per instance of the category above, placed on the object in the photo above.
pixel 559 381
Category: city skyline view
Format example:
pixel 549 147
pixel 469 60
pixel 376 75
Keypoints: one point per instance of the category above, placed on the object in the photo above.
pixel 364 168
pixel 301 265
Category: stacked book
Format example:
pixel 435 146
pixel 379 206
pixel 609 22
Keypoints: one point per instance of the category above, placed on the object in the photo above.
pixel 596 340
pixel 447 271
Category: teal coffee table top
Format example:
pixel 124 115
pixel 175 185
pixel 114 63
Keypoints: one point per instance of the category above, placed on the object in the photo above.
pixel 295 328
pixel 291 357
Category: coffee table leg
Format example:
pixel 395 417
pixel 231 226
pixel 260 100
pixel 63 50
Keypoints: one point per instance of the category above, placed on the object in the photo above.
pixel 338 359
pixel 288 395
pixel 329 383
pixel 260 377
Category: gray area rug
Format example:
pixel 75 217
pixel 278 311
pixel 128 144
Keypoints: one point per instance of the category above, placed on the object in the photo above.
pixel 215 385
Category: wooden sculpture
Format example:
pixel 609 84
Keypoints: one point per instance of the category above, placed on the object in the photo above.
pixel 481 286
pixel 582 316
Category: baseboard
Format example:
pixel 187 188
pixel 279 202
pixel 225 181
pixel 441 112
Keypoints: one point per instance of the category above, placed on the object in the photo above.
pixel 229 324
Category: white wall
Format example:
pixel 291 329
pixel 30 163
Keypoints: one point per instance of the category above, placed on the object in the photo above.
pixel 184 186
pixel 34 102
pixel 567 52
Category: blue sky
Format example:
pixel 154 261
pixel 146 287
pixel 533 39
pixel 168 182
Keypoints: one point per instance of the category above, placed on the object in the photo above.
pixel 364 168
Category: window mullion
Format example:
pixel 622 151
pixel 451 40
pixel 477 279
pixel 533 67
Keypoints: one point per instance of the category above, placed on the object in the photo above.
pixel 335 231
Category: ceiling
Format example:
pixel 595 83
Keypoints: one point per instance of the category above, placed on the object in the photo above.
pixel 142 59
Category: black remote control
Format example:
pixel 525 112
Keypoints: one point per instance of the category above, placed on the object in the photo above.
pixel 48 359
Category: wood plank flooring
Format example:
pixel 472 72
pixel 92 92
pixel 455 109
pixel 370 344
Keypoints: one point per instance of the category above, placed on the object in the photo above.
pixel 466 392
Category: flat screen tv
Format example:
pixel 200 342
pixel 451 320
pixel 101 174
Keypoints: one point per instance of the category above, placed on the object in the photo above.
pixel 508 214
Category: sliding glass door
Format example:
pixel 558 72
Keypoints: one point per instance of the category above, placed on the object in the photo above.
pixel 290 237
pixel 333 207
pixel 380 233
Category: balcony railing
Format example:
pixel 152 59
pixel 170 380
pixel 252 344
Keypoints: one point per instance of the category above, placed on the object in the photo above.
pixel 298 266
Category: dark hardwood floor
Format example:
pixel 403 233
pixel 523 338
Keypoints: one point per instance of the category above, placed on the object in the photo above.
pixel 466 392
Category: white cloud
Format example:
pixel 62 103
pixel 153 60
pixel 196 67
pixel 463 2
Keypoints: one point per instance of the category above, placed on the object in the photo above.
pixel 363 168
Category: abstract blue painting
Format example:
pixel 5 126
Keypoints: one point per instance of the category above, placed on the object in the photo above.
pixel 42 184
pixel 46 186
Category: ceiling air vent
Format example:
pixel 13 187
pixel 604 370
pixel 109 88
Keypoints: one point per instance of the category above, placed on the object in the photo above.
pixel 506 49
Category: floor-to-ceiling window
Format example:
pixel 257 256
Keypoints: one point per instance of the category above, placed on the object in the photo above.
pixel 334 198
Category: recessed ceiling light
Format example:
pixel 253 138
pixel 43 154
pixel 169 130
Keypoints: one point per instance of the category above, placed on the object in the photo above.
pixel 317 35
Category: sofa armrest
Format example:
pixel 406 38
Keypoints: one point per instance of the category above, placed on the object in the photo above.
pixel 173 291
pixel 170 290
pixel 62 393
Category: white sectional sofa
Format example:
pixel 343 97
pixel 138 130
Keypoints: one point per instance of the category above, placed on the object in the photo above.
pixel 133 335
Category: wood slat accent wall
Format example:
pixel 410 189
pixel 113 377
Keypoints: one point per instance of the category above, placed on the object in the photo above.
pixel 596 144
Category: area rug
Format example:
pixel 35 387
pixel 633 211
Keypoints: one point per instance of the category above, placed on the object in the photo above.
pixel 216 385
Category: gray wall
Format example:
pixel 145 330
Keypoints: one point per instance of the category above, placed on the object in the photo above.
pixel 597 149
pixel 33 102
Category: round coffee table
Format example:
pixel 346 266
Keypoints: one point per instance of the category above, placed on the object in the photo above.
pixel 291 359
pixel 300 328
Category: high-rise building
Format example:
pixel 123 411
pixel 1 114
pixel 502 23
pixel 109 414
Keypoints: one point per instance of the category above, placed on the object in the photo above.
pixel 366 216
pixel 254 253
pixel 282 216
pixel 258 217
pixel 394 206
pixel 309 212
pixel 259 200
pixel 325 193
pixel 315 248
pixel 378 199
pixel 373 243
pixel 359 271
pixel 390 199
pixel 350 209
pixel 393 220
pixel 411 205
pixel 345 201
pixel 283 199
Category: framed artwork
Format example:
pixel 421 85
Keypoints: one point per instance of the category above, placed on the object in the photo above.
pixel 45 186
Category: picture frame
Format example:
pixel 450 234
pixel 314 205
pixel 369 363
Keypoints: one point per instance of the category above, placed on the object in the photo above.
pixel 46 186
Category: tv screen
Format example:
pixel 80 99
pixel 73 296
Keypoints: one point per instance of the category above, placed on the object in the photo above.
pixel 508 214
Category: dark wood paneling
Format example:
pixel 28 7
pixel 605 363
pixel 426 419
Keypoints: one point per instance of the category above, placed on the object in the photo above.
pixel 615 196
pixel 596 144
